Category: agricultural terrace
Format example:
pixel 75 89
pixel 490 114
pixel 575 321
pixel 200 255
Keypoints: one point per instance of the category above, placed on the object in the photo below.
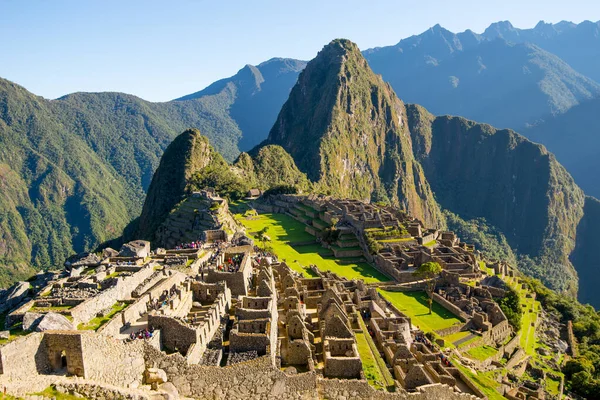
pixel 295 246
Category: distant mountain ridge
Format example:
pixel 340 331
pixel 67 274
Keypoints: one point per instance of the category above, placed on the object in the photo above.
pixel 257 93
pixel 482 77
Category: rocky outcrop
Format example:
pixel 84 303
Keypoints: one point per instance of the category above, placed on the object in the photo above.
pixel 13 296
pixel 136 248
pixel 82 260
pixel 347 130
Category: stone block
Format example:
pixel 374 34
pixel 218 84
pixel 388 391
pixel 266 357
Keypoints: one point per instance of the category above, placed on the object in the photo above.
pixel 4 334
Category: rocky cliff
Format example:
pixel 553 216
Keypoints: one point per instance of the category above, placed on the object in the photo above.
pixel 476 170
pixel 346 129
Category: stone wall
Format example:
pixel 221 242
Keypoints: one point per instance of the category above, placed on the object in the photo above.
pixel 254 379
pixel 175 335
pixel 336 389
pixel 112 361
pixel 122 290
pixel 98 391
pixel 24 357
pixel 237 282
pixel 450 307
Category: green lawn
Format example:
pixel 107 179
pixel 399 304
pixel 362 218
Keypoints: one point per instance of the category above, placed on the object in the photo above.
pixel 414 305
pixel 455 337
pixel 482 353
pixel 370 368
pixel 384 375
pixel 283 230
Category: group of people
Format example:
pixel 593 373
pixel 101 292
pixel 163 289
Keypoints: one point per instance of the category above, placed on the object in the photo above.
pixel 232 264
pixel 422 339
pixel 157 303
pixel 198 244
pixel 445 360
pixel 145 333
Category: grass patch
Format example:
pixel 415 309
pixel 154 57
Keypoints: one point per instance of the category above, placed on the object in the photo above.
pixel 283 230
pixel 370 367
pixel 484 381
pixel 552 386
pixel 52 393
pixel 383 369
pixel 415 306
pixel 470 341
pixel 399 240
pixel 482 353
pixel 55 309
pixel 95 323
pixel 456 336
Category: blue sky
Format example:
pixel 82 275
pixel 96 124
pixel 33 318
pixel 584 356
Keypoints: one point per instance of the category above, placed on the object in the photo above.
pixel 160 50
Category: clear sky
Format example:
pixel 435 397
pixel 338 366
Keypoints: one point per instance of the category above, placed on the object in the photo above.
pixel 160 50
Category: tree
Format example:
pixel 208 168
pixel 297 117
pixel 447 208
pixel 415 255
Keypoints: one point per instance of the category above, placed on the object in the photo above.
pixel 429 271
pixel 262 236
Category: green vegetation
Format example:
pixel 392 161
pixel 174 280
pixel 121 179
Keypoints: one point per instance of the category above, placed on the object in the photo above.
pixel 370 367
pixel 429 271
pixel 95 323
pixel 511 306
pixel 283 230
pixel 582 374
pixel 52 393
pixel 450 339
pixel 484 380
pixel 374 366
pixel 482 352
pixel 416 306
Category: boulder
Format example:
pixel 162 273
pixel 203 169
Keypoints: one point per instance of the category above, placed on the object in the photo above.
pixel 136 248
pixel 14 295
pixel 154 375
pixel 53 321
pixel 82 260
pixel 4 334
pixel 109 252
pixel 31 320
pixel 101 268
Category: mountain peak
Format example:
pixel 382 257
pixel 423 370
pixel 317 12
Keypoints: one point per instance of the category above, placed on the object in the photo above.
pixel 346 129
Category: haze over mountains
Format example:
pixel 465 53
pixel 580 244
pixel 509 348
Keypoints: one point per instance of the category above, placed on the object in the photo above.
pixel 73 171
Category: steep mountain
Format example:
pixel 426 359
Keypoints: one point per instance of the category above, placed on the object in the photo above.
pixel 57 195
pixel 575 139
pixel 483 78
pixel 584 256
pixel 576 44
pixel 517 186
pixel 346 129
pixel 256 94
pixel 189 153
